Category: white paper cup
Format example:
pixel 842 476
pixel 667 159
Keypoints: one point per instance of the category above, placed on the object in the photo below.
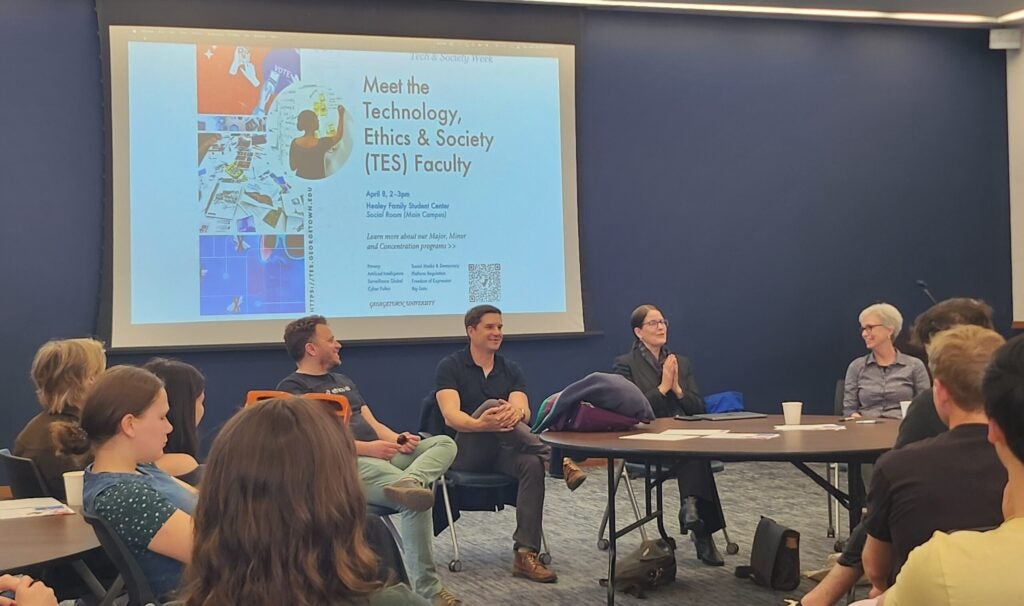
pixel 792 410
pixel 74 482
pixel 904 406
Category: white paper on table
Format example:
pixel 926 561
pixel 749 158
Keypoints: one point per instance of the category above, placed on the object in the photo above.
pixel 694 432
pixel 742 436
pixel 818 427
pixel 657 436
pixel 30 508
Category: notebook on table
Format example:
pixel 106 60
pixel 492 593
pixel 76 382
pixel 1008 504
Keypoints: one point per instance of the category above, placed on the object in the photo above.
pixel 722 416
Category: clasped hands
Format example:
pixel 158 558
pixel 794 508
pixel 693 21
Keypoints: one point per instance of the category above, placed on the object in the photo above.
pixel 503 417
pixel 670 377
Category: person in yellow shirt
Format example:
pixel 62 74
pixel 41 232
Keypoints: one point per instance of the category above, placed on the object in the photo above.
pixel 971 567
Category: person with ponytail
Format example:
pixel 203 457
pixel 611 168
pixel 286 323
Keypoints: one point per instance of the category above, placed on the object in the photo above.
pixel 124 425
pixel 280 517
pixel 62 371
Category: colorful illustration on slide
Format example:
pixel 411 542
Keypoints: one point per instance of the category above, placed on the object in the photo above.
pixel 252 274
pixel 242 79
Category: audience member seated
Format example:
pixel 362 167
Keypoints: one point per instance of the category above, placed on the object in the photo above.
pixel 124 422
pixel 482 396
pixel 186 393
pixel 280 517
pixel 394 468
pixel 877 383
pixel 922 422
pixel 973 568
pixel 920 489
pixel 62 372
pixel 27 592
pixel 668 382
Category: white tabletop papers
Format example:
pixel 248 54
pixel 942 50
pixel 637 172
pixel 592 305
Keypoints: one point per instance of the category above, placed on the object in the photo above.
pixel 818 427
pixel 664 436
pixel 670 435
pixel 31 508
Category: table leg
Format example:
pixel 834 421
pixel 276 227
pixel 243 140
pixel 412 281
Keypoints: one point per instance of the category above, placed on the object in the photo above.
pixel 611 530
pixel 661 507
pixel 855 489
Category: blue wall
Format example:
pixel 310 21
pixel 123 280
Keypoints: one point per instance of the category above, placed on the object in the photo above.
pixel 760 180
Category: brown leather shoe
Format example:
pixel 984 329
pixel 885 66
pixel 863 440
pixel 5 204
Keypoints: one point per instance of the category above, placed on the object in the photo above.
pixel 574 476
pixel 527 565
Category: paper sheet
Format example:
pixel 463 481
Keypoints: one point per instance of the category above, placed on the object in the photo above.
pixel 694 432
pixel 742 436
pixel 30 508
pixel 818 427
pixel 657 436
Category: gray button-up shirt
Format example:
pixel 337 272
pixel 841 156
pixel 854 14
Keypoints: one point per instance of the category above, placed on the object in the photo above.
pixel 872 390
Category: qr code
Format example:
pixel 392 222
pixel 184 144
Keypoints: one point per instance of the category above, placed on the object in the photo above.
pixel 484 282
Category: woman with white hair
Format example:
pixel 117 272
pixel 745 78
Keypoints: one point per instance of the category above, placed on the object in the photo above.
pixel 876 383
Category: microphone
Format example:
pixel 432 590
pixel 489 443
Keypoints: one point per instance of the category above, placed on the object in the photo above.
pixel 924 288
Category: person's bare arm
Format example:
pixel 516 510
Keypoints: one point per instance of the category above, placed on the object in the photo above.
pixel 449 402
pixel 520 402
pixel 177 463
pixel 174 539
pixel 383 431
pixel 877 560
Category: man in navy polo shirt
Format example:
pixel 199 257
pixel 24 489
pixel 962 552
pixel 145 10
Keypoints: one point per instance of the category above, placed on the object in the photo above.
pixel 482 396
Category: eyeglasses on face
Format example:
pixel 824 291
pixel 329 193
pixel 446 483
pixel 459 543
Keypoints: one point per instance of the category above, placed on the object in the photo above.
pixel 869 327
pixel 656 323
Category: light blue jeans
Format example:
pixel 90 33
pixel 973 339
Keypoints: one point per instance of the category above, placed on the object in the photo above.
pixel 426 463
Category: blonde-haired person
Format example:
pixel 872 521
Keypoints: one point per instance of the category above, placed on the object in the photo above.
pixel 877 382
pixel 124 423
pixel 278 523
pixel 62 371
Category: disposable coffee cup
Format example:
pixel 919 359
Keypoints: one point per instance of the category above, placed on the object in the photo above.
pixel 904 406
pixel 791 411
pixel 74 482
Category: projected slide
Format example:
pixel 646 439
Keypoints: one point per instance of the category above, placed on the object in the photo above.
pixel 386 183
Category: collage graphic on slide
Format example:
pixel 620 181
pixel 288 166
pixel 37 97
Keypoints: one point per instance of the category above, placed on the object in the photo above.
pixel 261 132
pixel 252 274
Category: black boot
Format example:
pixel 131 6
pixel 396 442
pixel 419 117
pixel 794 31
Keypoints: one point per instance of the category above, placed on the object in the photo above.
pixel 707 552
pixel 689 517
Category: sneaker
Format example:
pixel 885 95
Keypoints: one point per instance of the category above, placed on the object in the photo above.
pixel 445 598
pixel 527 566
pixel 574 476
pixel 408 493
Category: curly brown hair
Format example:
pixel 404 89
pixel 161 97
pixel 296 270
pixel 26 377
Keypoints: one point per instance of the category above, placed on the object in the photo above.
pixel 298 333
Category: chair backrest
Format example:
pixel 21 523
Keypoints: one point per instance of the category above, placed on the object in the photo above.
pixel 837 403
pixel 139 591
pixel 337 404
pixel 431 419
pixel 26 481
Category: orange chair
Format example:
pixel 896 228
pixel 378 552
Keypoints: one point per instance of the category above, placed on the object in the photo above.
pixel 336 404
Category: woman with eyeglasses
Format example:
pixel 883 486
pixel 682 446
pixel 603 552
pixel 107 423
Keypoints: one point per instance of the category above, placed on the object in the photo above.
pixel 876 383
pixel 667 381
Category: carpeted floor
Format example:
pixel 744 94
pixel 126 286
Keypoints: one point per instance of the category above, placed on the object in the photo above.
pixel 571 521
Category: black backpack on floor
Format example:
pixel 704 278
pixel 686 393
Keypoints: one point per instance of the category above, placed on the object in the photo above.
pixel 649 566
pixel 774 557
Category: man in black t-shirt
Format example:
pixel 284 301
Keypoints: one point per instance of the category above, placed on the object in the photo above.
pixel 394 468
pixel 950 482
pixel 482 396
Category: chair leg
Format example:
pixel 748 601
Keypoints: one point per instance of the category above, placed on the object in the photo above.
pixel 602 543
pixel 394 532
pixel 455 565
pixel 831 531
pixel 89 578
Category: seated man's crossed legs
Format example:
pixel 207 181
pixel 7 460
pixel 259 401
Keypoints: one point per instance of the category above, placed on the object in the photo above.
pixel 520 454
pixel 401 484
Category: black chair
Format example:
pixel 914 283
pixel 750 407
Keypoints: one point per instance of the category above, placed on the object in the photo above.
pixel 626 470
pixel 132 578
pixel 384 513
pixel 26 481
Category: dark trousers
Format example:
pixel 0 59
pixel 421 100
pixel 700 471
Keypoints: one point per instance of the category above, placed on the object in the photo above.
pixel 696 480
pixel 517 453
pixel 851 555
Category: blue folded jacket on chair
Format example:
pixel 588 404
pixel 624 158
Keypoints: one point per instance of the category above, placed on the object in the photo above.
pixel 606 391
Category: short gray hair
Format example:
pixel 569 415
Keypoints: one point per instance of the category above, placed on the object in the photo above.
pixel 888 315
